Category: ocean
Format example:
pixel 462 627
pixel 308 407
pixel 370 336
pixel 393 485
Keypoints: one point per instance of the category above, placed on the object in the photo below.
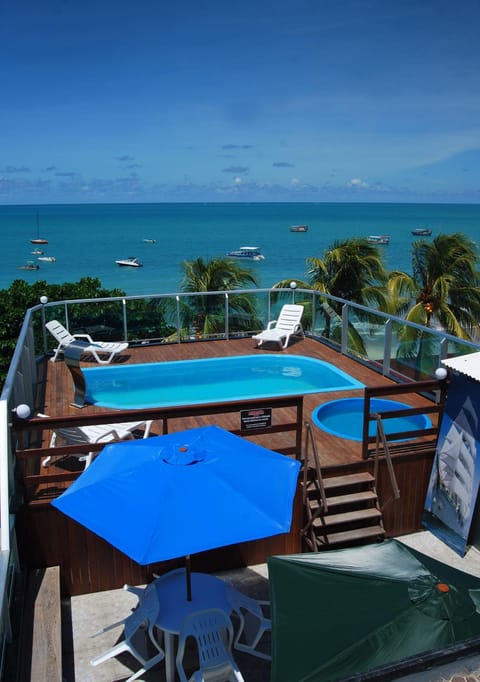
pixel 87 239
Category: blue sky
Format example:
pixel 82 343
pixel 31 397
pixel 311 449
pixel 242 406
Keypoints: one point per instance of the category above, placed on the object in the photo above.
pixel 261 100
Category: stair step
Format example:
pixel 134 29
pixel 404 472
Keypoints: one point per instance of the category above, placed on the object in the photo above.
pixel 348 517
pixel 362 496
pixel 349 479
pixel 358 534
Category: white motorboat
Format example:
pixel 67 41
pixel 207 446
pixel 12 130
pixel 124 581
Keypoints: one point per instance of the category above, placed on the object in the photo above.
pixel 131 262
pixel 47 259
pixel 250 252
pixel 379 239
pixel 299 228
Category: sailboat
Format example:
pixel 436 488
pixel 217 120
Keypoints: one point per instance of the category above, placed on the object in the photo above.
pixel 38 240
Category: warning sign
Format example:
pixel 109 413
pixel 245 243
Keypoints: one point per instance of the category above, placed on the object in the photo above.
pixel 259 418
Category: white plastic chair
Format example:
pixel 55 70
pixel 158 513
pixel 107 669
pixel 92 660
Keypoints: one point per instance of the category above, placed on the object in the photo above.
pixel 213 632
pixel 102 351
pixel 101 433
pixel 142 620
pixel 253 622
pixel 280 330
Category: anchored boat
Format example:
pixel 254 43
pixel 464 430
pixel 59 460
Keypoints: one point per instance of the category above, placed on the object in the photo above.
pixel 250 252
pixel 422 232
pixel 379 239
pixel 131 262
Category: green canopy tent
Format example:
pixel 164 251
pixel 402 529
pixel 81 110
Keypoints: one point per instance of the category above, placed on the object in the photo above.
pixel 341 612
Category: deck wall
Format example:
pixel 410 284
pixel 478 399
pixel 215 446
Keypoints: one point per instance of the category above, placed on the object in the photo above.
pixel 89 564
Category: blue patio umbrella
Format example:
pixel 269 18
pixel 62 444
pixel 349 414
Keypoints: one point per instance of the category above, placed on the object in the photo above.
pixel 169 496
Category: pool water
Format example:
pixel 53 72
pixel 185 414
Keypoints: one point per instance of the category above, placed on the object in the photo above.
pixel 192 382
pixel 344 418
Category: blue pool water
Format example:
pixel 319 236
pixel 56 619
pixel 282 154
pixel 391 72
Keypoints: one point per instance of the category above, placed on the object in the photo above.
pixel 192 382
pixel 344 418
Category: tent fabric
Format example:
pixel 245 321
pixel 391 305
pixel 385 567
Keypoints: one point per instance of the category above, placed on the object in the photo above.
pixel 341 612
pixel 169 496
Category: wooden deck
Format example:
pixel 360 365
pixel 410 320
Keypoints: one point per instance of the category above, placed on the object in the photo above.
pixel 58 387
pixel 89 564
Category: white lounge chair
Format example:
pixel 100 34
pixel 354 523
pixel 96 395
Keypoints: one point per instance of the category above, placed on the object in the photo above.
pixel 280 330
pixel 102 351
pixel 102 433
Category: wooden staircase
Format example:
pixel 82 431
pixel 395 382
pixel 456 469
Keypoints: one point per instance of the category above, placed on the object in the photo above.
pixel 341 511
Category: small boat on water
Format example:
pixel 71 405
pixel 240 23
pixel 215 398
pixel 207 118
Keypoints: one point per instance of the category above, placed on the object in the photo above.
pixel 38 239
pixel 150 241
pixel 422 232
pixel 37 252
pixel 29 265
pixel 131 262
pixel 379 239
pixel 250 252
pixel 47 259
pixel 299 228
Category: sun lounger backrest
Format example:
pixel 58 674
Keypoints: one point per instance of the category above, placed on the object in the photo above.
pixel 61 334
pixel 289 317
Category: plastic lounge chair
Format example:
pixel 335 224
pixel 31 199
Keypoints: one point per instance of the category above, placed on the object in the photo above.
pixel 102 433
pixel 253 622
pixel 213 632
pixel 280 330
pixel 139 622
pixel 102 351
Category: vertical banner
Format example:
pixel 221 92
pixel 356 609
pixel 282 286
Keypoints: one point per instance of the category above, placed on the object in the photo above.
pixel 454 481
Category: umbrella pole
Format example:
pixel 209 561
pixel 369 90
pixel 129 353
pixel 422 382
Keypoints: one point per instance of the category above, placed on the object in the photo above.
pixel 188 575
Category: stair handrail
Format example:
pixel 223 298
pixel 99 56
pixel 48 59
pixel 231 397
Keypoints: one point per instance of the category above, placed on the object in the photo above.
pixel 310 439
pixel 388 458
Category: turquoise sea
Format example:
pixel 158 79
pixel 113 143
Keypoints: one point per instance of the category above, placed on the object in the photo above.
pixel 87 239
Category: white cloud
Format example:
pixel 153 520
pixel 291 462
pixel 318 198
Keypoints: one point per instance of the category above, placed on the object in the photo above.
pixel 356 182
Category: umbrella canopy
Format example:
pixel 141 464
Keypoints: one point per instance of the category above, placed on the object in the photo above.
pixel 170 496
pixel 349 611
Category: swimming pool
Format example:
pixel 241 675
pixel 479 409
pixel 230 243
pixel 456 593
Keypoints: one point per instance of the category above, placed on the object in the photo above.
pixel 344 418
pixel 212 380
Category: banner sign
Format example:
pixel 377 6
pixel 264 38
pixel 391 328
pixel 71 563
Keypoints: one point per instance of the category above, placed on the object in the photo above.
pixel 455 477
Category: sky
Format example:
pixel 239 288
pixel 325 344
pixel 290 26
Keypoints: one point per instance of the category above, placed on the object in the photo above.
pixel 261 100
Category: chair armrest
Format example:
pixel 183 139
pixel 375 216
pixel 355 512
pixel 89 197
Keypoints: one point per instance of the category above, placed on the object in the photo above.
pixel 111 432
pixel 271 324
pixel 84 336
pixel 148 426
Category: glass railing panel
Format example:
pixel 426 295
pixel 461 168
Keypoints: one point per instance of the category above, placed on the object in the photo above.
pixel 102 319
pixel 456 348
pixel 366 334
pixel 327 320
pixel 151 320
pixel 415 351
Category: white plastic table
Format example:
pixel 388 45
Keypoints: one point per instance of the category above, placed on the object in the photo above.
pixel 207 592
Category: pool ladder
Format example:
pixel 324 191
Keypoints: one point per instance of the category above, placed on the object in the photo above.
pixel 339 511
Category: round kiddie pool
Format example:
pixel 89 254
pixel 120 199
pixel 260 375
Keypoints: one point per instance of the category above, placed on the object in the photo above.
pixel 344 418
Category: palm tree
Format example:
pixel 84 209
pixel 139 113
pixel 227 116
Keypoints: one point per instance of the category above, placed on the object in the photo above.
pixel 206 314
pixel 444 286
pixel 351 269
